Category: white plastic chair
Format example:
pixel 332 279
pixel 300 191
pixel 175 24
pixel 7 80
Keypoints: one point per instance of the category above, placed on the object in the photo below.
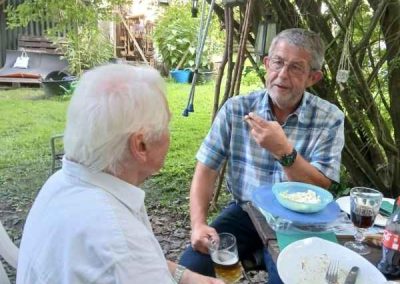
pixel 9 251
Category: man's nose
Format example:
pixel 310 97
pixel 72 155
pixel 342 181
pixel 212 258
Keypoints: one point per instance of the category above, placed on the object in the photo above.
pixel 284 71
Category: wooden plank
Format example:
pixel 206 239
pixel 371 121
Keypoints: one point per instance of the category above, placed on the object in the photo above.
pixel 34 38
pixel 33 44
pixel 43 50
pixel 132 37
pixel 19 80
pixel 38 44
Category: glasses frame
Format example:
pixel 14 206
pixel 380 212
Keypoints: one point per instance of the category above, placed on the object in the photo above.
pixel 276 64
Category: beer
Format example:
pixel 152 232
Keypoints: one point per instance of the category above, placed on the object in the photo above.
pixel 227 266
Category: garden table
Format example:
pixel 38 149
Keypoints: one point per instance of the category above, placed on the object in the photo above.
pixel 268 236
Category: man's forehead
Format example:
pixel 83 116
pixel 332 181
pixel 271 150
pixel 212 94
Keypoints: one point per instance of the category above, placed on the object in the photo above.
pixel 290 52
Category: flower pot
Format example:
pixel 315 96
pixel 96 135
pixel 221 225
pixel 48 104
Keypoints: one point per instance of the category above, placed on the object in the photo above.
pixel 204 76
pixel 180 76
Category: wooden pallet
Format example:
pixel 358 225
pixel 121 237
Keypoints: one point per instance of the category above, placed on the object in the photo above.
pixel 38 44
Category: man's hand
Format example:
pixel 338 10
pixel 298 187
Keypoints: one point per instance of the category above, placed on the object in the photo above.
pixel 201 237
pixel 269 135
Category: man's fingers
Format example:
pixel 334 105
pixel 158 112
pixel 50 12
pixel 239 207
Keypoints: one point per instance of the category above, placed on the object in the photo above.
pixel 257 119
pixel 253 124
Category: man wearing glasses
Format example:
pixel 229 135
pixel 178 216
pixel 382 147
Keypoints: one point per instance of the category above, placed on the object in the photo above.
pixel 283 133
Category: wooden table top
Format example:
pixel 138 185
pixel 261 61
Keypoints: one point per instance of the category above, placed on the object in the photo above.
pixel 268 236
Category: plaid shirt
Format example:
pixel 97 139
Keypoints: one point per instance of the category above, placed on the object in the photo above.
pixel 315 129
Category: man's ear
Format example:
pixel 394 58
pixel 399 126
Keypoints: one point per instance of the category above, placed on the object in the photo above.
pixel 314 77
pixel 137 147
pixel 265 61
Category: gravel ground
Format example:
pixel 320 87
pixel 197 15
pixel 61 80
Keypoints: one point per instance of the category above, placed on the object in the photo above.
pixel 172 230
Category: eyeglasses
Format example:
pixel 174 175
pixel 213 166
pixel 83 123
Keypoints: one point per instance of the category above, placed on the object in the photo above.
pixel 295 69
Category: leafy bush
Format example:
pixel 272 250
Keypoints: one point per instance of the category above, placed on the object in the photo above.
pixel 250 76
pixel 81 52
pixel 176 33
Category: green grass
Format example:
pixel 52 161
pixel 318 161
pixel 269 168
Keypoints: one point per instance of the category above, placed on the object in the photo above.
pixel 28 120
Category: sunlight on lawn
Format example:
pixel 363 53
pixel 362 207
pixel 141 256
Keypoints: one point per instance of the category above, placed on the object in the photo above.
pixel 28 120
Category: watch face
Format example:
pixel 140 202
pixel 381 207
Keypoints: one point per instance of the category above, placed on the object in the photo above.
pixel 288 160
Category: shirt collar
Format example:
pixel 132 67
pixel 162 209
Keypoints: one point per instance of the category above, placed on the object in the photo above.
pixel 299 112
pixel 263 109
pixel 128 194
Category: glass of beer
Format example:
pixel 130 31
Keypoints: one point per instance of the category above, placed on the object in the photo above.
pixel 224 255
pixel 364 206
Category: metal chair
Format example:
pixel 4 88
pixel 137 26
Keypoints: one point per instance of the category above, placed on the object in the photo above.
pixel 57 151
pixel 9 252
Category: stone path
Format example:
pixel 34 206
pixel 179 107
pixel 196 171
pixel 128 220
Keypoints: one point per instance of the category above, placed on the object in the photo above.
pixel 172 230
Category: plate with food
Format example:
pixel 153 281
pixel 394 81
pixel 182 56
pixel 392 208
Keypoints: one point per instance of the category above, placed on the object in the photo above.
pixel 307 260
pixel 265 199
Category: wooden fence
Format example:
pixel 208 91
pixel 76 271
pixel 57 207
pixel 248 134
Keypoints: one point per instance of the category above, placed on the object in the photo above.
pixel 9 37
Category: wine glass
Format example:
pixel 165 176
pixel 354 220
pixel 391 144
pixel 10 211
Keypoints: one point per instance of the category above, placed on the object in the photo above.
pixel 364 206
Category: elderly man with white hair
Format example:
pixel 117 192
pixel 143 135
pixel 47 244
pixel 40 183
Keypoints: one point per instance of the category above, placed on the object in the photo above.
pixel 89 223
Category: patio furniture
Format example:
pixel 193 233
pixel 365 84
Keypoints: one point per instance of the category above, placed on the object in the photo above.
pixel 9 252
pixel 57 152
pixel 40 65
pixel 268 235
pixel 44 57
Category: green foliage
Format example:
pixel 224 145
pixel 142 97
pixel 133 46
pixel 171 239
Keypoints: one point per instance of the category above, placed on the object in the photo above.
pixel 250 76
pixel 80 53
pixel 78 20
pixel 176 33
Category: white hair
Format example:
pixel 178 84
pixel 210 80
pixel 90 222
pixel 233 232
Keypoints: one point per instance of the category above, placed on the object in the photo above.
pixel 109 104
pixel 306 39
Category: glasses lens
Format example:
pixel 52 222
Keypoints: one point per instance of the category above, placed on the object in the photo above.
pixel 276 65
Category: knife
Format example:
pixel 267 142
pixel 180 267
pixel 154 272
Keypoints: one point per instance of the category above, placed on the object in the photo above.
pixel 352 276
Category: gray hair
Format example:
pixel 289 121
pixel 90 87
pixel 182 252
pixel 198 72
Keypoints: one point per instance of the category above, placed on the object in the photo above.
pixel 306 39
pixel 109 104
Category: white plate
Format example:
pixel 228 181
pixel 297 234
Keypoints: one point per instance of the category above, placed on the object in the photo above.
pixel 344 204
pixel 306 261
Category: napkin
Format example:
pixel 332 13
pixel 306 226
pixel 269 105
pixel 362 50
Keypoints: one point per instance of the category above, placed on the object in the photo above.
pixel 386 208
pixel 285 239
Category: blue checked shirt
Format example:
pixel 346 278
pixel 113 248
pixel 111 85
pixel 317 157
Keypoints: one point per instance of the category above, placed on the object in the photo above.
pixel 315 129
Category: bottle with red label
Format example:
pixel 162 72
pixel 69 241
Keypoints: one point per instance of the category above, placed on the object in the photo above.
pixel 390 262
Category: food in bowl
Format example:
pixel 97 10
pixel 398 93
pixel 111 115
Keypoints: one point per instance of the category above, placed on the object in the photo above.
pixel 301 197
pixel 308 196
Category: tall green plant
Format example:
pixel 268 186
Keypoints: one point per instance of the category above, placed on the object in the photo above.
pixel 176 37
pixel 77 20
pixel 86 49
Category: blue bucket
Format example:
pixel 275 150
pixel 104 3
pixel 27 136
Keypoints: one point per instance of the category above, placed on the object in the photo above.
pixel 180 76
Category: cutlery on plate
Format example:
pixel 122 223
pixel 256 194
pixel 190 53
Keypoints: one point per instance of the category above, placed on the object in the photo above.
pixel 352 276
pixel 331 275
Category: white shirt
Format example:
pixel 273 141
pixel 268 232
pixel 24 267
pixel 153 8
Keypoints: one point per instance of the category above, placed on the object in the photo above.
pixel 89 227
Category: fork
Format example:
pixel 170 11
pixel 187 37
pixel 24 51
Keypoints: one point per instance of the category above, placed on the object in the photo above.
pixel 331 275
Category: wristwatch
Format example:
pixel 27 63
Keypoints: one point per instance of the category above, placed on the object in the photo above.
pixel 179 273
pixel 288 159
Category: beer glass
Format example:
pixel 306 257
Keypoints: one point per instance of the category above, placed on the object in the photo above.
pixel 225 258
pixel 364 206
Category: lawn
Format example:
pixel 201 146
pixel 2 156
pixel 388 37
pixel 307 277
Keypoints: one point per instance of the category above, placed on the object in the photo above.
pixel 28 120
